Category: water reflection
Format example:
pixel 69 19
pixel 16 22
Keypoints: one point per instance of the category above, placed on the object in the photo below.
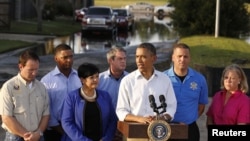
pixel 142 17
pixel 167 22
pixel 147 28
pixel 156 30
pixel 245 37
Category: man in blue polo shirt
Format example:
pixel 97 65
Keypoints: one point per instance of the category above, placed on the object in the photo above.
pixel 190 89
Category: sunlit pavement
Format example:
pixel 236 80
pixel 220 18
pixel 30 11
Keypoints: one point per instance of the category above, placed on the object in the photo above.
pixel 202 123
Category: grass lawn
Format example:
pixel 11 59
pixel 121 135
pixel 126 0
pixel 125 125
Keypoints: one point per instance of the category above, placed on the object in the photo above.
pixel 218 52
pixel 60 27
pixel 8 45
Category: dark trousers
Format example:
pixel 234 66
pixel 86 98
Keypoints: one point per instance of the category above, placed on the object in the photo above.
pixel 118 136
pixel 193 133
pixel 52 135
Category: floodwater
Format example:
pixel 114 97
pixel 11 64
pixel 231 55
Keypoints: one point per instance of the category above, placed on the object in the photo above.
pixel 147 28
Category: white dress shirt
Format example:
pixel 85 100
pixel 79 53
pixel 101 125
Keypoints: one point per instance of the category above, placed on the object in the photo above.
pixel 134 91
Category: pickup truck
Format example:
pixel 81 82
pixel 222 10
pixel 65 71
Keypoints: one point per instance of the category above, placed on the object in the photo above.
pixel 164 9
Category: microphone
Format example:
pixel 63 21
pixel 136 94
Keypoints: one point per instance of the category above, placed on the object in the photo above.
pixel 163 103
pixel 153 104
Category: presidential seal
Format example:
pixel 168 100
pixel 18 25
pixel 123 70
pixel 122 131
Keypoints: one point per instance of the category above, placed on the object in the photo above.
pixel 159 130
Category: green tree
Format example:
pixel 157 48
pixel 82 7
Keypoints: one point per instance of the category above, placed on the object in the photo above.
pixel 192 17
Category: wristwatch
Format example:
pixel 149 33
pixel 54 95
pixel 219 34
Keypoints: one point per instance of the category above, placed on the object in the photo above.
pixel 40 132
pixel 166 117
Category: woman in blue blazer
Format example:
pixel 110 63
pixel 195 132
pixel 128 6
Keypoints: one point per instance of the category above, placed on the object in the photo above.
pixel 88 114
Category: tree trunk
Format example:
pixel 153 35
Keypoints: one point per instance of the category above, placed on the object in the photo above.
pixel 39 4
pixel 39 21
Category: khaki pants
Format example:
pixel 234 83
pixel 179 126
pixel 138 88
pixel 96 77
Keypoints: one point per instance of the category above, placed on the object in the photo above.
pixel 134 139
pixel 137 139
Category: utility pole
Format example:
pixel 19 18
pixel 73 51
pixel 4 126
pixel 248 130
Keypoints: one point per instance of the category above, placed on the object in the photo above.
pixel 217 19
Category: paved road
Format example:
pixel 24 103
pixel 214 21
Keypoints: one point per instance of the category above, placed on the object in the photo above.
pixel 202 124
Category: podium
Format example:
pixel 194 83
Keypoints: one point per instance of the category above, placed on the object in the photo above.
pixel 138 130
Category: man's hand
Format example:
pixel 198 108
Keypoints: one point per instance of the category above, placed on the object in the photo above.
pixel 145 120
pixel 165 117
pixel 32 136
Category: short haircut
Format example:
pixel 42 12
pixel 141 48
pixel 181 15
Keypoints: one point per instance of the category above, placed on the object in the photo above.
pixel 61 47
pixel 87 69
pixel 28 55
pixel 111 53
pixel 181 45
pixel 150 47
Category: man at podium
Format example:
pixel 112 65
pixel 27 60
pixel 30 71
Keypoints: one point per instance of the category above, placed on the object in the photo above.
pixel 133 103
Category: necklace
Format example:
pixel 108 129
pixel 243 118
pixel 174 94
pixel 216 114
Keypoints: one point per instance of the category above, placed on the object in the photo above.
pixel 88 98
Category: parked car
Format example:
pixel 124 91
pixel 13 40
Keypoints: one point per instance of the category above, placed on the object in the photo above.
pixel 124 18
pixel 79 14
pixel 99 19
pixel 140 7
pixel 164 9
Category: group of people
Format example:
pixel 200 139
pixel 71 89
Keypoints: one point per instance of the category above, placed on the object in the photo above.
pixel 86 104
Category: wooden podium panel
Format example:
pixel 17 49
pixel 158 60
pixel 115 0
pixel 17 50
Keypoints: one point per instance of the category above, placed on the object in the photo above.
pixel 138 130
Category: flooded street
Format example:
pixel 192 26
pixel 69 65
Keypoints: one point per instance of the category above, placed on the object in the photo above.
pixel 147 28
pixel 87 48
